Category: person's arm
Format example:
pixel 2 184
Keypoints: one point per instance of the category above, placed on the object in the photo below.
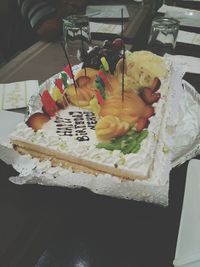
pixel 45 18
pixel 42 17
pixel 70 7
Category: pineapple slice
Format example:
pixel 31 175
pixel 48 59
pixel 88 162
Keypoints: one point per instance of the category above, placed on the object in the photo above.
pixel 110 127
pixel 130 110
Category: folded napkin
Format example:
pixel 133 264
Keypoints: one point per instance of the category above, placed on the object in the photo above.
pixel 187 17
pixel 16 95
pixel 188 37
pixel 192 64
pixel 191 0
pixel 106 11
pixel 105 28
pixel 188 243
pixel 164 8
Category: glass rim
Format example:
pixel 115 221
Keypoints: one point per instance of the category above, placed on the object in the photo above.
pixel 76 21
pixel 167 21
pixel 75 17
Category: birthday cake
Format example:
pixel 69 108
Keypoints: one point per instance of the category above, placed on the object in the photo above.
pixel 100 122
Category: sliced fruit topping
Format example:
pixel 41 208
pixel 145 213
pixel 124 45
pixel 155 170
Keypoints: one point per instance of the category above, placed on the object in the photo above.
pixel 80 96
pixel 110 126
pixel 59 98
pixel 156 84
pixel 141 124
pixel 149 111
pixel 130 110
pixel 90 72
pixel 56 94
pixel 83 80
pixel 37 120
pixel 94 105
pixel 148 96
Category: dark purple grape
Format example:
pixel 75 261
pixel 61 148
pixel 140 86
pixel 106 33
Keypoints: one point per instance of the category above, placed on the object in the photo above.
pixel 94 51
pixel 105 52
pixel 95 62
pixel 113 61
pixel 82 55
pixel 107 44
pixel 86 63
pixel 111 50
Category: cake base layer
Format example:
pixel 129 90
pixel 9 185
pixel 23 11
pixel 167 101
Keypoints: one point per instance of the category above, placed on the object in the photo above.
pixel 76 164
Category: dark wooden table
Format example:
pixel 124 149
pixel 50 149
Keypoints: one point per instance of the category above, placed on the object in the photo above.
pixel 57 227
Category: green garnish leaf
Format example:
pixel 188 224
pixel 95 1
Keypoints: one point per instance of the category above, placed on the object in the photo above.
pixel 129 143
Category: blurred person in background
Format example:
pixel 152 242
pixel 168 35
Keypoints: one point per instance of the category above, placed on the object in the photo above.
pixel 23 22
pixel 45 16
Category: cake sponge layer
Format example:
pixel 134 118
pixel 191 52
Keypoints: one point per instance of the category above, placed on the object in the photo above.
pixel 65 160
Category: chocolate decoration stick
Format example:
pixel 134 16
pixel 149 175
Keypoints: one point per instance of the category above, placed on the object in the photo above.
pixel 82 47
pixel 123 70
pixel 123 54
pixel 122 23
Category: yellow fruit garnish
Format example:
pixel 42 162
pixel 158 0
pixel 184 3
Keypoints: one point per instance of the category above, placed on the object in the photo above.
pixel 56 94
pixel 130 110
pixel 110 127
pixel 94 106
pixel 105 63
pixel 80 96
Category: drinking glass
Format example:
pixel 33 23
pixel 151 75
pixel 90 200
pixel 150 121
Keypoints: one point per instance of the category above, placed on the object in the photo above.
pixel 163 35
pixel 77 37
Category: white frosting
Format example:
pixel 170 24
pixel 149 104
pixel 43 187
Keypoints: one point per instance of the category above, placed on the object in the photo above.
pixel 73 124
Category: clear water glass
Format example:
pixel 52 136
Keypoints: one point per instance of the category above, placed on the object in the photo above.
pixel 76 36
pixel 163 35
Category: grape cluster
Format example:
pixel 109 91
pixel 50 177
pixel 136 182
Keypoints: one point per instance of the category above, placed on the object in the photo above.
pixel 111 50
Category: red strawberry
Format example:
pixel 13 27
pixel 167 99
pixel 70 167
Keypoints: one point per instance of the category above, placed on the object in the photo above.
pixel 141 124
pixel 49 105
pixel 156 84
pixel 82 80
pixel 148 96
